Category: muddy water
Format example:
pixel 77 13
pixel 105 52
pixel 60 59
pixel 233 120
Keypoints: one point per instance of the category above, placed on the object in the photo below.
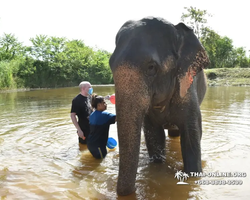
pixel 40 157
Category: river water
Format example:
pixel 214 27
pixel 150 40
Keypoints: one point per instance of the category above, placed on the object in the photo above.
pixel 40 157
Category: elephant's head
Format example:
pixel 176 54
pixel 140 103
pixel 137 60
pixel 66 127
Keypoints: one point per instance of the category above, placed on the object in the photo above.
pixel 152 61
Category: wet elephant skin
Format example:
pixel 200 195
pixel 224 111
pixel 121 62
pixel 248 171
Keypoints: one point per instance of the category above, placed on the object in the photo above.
pixel 159 80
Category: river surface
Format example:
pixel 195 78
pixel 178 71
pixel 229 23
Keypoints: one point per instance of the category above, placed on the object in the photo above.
pixel 40 157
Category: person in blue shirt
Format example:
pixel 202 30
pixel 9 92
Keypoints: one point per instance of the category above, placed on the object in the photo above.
pixel 99 121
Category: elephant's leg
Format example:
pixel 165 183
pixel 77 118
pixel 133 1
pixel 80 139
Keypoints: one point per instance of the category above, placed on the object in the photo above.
pixel 155 140
pixel 191 131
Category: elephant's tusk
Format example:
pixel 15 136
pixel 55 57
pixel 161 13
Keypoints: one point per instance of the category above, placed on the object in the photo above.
pixel 163 108
pixel 160 107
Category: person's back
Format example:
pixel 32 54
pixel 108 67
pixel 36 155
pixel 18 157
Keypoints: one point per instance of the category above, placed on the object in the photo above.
pixel 100 121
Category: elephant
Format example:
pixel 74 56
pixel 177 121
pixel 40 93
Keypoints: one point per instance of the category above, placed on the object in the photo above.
pixel 158 72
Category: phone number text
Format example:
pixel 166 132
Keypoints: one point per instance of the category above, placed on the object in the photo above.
pixel 219 182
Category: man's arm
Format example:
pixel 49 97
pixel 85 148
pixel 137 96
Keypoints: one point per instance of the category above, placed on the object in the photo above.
pixel 79 130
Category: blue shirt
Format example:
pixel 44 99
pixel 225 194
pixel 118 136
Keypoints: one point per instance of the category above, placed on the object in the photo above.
pixel 99 128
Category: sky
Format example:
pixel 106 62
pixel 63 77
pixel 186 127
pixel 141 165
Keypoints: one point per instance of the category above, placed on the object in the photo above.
pixel 96 22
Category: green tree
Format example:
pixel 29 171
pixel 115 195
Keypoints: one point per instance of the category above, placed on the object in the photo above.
pixel 47 64
pixel 196 18
pixel 78 59
pixel 221 51
pixel 26 72
pixel 240 59
pixel 45 48
pixel 6 78
pixel 11 55
pixel 51 62
pixel 99 71
pixel 218 48
pixel 10 48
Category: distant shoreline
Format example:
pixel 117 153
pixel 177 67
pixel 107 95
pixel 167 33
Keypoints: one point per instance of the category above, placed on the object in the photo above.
pixel 228 76
pixel 215 77
pixel 32 89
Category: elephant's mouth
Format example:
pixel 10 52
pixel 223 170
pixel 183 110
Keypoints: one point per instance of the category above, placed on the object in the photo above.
pixel 161 106
pixel 160 110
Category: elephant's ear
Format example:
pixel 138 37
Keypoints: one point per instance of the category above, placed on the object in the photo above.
pixel 192 57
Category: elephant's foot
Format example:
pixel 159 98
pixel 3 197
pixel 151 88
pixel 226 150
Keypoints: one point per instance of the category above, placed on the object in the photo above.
pixel 157 159
pixel 173 133
pixel 124 190
pixel 193 166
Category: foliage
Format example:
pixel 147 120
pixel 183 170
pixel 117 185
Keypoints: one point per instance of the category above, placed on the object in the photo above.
pixel 220 49
pixel 6 79
pixel 8 73
pixel 51 62
pixel 10 48
pixel 196 19
pixel 59 62
pixel 100 71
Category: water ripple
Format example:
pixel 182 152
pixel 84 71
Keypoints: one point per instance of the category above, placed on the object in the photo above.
pixel 40 157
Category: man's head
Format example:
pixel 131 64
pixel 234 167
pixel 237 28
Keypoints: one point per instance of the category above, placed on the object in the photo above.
pixel 84 88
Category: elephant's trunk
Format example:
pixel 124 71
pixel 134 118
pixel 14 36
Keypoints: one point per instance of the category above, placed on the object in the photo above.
pixel 132 101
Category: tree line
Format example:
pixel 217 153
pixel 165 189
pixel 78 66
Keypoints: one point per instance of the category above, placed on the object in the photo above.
pixel 51 62
pixel 59 62
pixel 220 49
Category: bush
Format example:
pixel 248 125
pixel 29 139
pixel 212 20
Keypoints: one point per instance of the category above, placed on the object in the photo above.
pixel 6 79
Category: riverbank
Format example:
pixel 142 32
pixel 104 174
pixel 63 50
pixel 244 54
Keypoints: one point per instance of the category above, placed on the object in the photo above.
pixel 215 77
pixel 228 77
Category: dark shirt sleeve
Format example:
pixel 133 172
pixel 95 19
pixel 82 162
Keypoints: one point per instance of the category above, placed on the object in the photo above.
pixel 74 107
pixel 112 120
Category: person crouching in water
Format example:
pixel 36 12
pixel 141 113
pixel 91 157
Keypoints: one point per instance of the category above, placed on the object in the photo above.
pixel 100 121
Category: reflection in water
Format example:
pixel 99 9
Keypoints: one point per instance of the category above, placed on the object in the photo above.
pixel 40 157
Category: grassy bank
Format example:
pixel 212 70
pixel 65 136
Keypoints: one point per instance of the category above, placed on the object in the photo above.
pixel 228 77
pixel 215 77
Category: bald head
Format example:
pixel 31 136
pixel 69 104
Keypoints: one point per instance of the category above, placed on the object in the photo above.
pixel 83 84
pixel 84 87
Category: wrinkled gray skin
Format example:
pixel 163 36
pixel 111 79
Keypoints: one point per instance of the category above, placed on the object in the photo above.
pixel 159 81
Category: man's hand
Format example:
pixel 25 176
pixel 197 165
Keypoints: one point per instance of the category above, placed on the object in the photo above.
pixel 107 97
pixel 79 131
pixel 81 134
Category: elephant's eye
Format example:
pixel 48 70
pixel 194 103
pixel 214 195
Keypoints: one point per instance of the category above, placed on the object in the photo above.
pixel 151 69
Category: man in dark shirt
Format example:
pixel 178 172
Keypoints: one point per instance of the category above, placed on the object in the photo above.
pixel 81 108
